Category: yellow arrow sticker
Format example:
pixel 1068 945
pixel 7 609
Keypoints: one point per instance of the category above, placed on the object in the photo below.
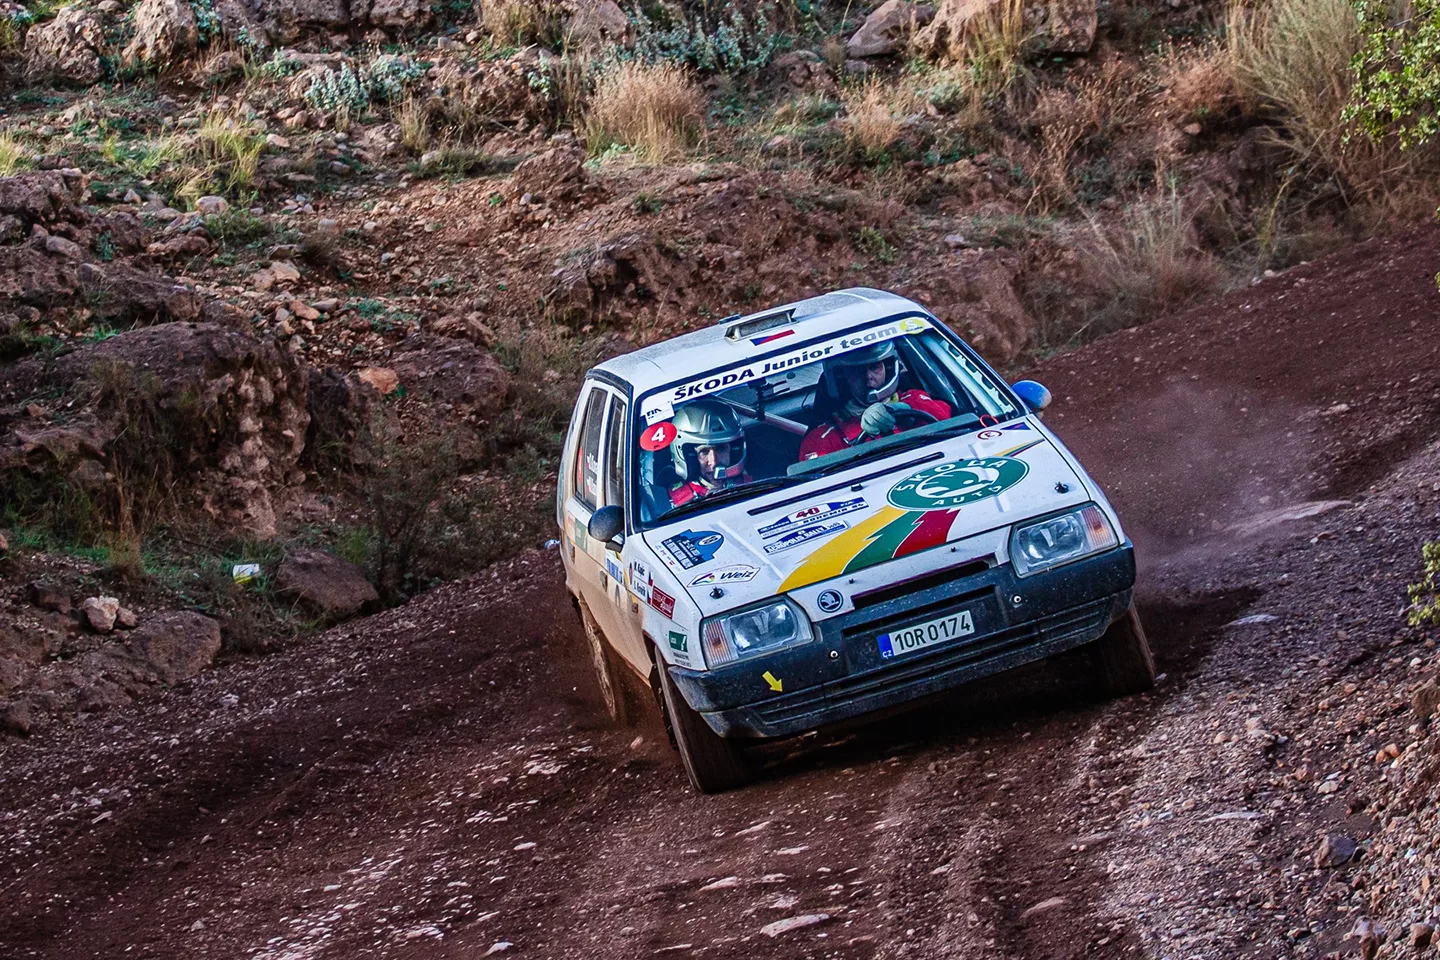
pixel 774 681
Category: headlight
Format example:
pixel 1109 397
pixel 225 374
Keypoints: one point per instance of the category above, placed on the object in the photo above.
pixel 1070 536
pixel 755 631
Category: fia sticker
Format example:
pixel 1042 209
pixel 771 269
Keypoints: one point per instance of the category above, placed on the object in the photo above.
pixel 804 535
pixel 662 601
pixel 657 408
pixel 658 437
pixel 693 547
pixel 988 435
pixel 735 573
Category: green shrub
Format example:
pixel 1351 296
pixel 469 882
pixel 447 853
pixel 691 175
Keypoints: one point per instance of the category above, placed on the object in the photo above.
pixel 731 45
pixel 1397 88
pixel 1425 595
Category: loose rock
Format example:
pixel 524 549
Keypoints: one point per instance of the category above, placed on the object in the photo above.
pixel 100 613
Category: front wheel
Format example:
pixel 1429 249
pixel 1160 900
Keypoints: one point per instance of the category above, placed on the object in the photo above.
pixel 607 675
pixel 1122 657
pixel 711 762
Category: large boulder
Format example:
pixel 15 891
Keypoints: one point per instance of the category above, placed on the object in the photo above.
pixel 1053 26
pixel 227 410
pixel 70 47
pixel 165 32
pixel 454 372
pixel 556 174
pixel 886 29
pixel 392 14
pixel 176 646
pixel 327 584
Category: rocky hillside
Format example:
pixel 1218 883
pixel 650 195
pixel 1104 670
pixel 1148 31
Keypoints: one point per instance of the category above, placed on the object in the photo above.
pixel 294 295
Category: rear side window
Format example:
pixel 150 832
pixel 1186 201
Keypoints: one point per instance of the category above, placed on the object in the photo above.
pixel 615 454
pixel 587 454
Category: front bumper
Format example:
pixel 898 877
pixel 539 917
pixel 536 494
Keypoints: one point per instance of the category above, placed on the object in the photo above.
pixel 840 675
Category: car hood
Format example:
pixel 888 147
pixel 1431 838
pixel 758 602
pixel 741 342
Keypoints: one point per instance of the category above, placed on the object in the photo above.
pixel 872 513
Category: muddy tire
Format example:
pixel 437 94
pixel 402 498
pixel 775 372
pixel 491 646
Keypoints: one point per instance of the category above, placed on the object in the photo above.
pixel 1122 657
pixel 712 763
pixel 609 675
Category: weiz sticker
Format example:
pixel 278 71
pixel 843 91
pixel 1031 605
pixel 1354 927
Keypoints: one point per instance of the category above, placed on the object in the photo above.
pixel 804 535
pixel 735 573
pixel 958 482
pixel 693 547
pixel 816 513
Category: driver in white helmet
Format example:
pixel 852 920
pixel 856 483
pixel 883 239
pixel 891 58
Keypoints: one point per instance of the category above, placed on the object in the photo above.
pixel 859 398
pixel 708 450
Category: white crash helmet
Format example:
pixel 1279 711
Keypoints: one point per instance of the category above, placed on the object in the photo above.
pixel 706 423
pixel 835 381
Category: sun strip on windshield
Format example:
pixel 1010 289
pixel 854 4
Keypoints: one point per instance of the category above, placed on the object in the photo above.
pixel 662 406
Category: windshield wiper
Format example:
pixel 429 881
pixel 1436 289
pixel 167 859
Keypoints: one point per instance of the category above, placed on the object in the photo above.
pixel 728 494
pixel 875 449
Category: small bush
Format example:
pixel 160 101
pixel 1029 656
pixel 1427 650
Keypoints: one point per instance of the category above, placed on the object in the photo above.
pixel 236 226
pixel 1425 595
pixel 732 45
pixel 655 111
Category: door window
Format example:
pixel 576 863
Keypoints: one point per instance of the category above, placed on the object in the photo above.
pixel 586 478
pixel 615 455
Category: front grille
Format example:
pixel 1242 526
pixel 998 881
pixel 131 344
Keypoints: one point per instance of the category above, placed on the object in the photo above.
pixel 946 666
pixel 904 588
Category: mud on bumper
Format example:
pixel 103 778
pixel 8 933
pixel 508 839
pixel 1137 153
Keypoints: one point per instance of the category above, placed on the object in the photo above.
pixel 840 676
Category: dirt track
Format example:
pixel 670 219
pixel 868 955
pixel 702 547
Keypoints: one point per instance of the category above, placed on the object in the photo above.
pixel 434 780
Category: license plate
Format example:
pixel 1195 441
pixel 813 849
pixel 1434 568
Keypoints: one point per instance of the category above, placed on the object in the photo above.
pixel 925 634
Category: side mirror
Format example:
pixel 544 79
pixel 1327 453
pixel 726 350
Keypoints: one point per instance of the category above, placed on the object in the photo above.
pixel 1036 397
pixel 606 524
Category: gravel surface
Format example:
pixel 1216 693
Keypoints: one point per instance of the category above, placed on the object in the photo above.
pixel 435 781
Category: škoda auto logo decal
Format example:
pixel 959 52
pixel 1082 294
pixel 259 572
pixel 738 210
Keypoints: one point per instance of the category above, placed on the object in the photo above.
pixel 958 482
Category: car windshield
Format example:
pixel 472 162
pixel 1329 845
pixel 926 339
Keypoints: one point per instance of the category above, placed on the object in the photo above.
pixel 804 410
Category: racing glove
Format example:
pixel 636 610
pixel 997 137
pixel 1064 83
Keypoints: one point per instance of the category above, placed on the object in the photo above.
pixel 879 418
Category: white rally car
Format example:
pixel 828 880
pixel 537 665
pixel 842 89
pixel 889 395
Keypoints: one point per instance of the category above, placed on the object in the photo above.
pixel 825 510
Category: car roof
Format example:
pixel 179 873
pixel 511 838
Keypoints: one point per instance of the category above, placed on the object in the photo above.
pixel 687 356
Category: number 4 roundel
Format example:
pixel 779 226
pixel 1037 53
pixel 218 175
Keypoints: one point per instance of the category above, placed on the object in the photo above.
pixel 658 437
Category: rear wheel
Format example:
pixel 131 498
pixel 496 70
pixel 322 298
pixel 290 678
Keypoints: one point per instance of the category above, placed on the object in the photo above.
pixel 607 672
pixel 1122 657
pixel 711 762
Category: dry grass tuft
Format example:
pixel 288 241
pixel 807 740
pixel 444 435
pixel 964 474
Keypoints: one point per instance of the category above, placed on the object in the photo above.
pixel 13 155
pixel 1199 83
pixel 1064 118
pixel 1147 264
pixel 515 23
pixel 657 112
pixel 874 116
pixel 1292 57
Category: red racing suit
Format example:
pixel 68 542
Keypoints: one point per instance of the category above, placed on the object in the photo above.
pixel 828 437
pixel 685 492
